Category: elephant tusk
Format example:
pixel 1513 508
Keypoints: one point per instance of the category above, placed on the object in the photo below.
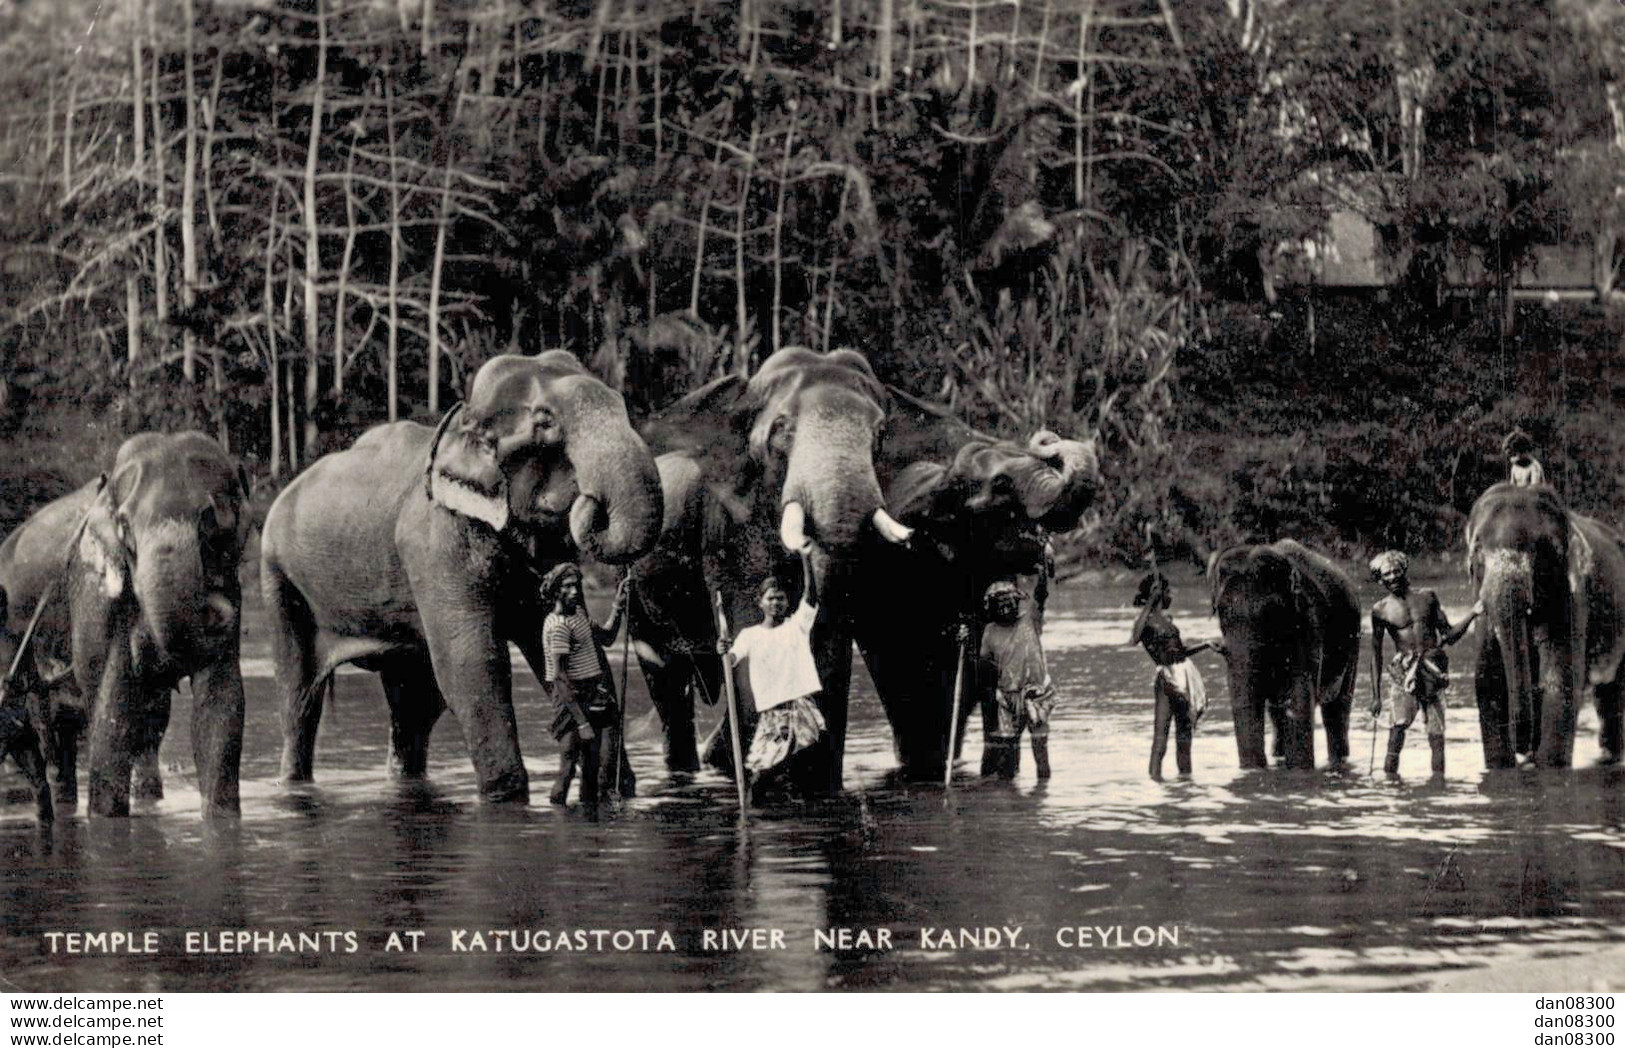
pixel 793 527
pixel 890 530
pixel 584 513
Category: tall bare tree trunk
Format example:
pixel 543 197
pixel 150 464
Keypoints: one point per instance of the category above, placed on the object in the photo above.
pixel 883 44
pixel 138 121
pixel 344 272
pixel 434 286
pixel 273 366
pixel 393 378
pixel 160 262
pixel 67 137
pixel 189 206
pixel 741 349
pixel 778 230
pixel 313 250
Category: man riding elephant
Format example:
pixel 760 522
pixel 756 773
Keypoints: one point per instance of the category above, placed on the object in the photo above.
pixel 417 554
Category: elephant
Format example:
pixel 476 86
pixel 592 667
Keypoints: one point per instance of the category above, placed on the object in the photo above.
pixel 751 471
pixel 138 575
pixel 982 509
pixel 1553 586
pixel 814 449
pixel 417 554
pixel 1291 623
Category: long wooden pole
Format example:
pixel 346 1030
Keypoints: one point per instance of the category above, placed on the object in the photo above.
pixel 733 712
pixel 953 725
pixel 626 670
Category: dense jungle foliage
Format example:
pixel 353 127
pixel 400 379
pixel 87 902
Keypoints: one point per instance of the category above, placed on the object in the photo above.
pixel 285 222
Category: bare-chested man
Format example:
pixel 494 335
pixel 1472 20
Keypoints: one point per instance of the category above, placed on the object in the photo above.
pixel 1420 670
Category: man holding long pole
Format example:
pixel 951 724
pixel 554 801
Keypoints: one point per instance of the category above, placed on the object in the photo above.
pixel 781 677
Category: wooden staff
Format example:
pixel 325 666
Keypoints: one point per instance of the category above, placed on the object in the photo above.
pixel 733 710
pixel 953 724
pixel 626 669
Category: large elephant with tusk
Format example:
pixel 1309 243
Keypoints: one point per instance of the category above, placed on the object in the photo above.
pixel 137 575
pixel 1553 586
pixel 814 450
pixel 417 554
pixel 981 509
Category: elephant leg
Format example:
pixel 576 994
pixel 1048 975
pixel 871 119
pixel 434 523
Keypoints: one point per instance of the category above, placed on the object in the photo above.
pixel 1279 733
pixel 1494 712
pixel 1334 717
pixel 111 733
pixel 61 725
pixel 1554 747
pixel 1611 728
pixel 217 734
pixel 414 707
pixel 148 735
pixel 671 691
pixel 20 740
pixel 471 668
pixel 821 772
pixel 293 654
pixel 1297 725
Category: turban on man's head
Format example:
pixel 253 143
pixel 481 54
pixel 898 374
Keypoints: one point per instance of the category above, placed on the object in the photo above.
pixel 1388 562
pixel 1002 589
pixel 1153 591
pixel 554 580
pixel 1517 443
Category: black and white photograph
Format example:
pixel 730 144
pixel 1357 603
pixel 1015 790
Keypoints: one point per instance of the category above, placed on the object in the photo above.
pixel 812 495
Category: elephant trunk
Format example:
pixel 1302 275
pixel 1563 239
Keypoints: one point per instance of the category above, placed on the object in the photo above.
pixel 830 477
pixel 617 514
pixel 1508 594
pixel 1058 494
pixel 169 586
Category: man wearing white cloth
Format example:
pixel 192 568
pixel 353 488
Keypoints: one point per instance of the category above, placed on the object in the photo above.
pixel 781 676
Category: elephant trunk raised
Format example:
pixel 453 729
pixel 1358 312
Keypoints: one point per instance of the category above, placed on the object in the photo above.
pixel 616 515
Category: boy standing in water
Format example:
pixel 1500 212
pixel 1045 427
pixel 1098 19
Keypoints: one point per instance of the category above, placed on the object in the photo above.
pixel 1177 688
pixel 1420 670
pixel 585 710
pixel 781 675
pixel 1022 696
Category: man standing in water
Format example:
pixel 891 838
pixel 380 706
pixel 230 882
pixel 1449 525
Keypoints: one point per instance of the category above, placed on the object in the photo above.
pixel 781 675
pixel 1420 670
pixel 1019 696
pixel 586 714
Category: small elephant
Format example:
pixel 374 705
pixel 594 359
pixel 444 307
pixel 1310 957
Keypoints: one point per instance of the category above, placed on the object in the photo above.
pixel 1291 621
pixel 418 554
pixel 1553 586
pixel 138 572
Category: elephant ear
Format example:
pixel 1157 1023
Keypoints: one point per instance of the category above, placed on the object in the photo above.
pixel 1222 567
pixel 106 545
pixel 463 474
pixel 711 426
pixel 914 491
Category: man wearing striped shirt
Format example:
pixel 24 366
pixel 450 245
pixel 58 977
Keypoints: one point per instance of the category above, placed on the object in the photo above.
pixel 577 676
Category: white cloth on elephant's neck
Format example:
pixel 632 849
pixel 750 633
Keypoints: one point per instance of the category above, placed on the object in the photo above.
pixel 779 659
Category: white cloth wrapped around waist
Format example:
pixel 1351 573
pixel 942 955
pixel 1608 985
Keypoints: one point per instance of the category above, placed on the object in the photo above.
pixel 1185 680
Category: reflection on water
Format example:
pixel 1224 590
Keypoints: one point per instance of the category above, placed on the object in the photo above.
pixel 1231 879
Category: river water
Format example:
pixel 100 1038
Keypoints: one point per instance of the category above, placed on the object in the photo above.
pixel 1098 879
